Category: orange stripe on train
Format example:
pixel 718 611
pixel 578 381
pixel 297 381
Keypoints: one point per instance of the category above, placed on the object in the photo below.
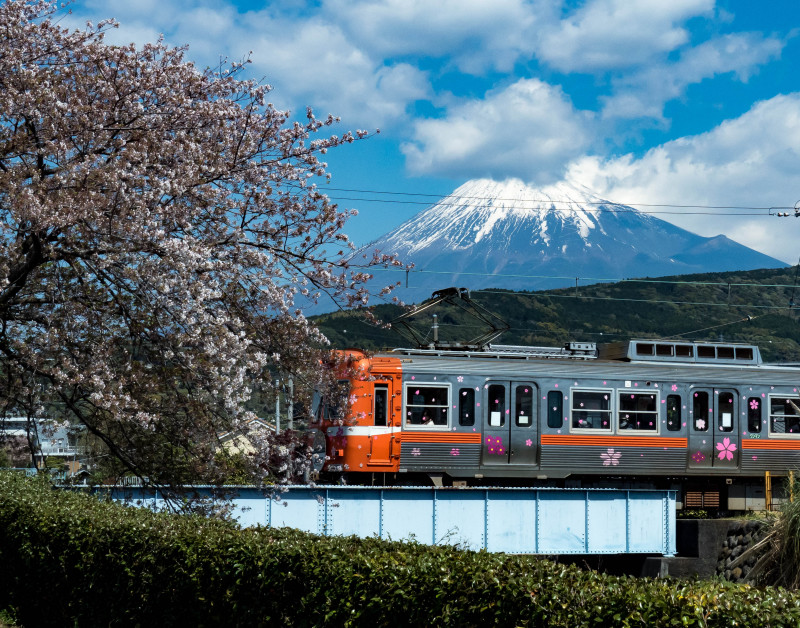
pixel 613 441
pixel 757 443
pixel 440 437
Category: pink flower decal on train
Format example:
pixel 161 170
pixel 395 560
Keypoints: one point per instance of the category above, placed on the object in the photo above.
pixel 754 404
pixel 698 456
pixel 700 424
pixel 415 451
pixel 494 445
pixel 528 442
pixel 454 451
pixel 460 378
pixel 610 458
pixel 726 449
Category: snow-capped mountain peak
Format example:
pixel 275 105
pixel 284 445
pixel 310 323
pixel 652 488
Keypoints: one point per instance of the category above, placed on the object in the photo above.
pixel 509 234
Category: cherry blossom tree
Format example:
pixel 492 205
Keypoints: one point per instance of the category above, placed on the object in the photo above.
pixel 157 225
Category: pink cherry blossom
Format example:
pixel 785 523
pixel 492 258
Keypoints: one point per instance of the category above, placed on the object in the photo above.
pixel 162 231
pixel 610 457
pixel 726 449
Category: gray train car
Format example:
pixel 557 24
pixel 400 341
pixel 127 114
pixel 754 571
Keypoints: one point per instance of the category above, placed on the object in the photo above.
pixel 708 419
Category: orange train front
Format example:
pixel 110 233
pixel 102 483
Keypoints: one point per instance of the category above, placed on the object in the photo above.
pixel 708 418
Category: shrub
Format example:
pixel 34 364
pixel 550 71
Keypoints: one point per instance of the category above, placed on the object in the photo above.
pixel 70 558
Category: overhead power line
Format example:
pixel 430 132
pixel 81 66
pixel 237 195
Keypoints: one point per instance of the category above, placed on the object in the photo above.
pixel 556 205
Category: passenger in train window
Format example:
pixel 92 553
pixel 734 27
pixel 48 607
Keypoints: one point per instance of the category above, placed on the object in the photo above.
pixel 591 410
pixel 426 405
pixel 637 411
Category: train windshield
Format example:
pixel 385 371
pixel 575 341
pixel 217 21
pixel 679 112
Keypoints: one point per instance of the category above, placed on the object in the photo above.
pixel 332 406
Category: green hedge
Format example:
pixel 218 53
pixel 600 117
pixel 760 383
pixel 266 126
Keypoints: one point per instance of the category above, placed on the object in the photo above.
pixel 67 558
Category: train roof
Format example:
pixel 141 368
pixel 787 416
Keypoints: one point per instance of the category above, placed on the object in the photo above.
pixel 616 360
pixel 671 351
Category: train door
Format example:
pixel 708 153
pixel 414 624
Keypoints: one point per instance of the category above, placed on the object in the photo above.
pixel 381 437
pixel 510 427
pixel 714 429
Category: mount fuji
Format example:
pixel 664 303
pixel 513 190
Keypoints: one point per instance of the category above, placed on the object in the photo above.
pixel 508 235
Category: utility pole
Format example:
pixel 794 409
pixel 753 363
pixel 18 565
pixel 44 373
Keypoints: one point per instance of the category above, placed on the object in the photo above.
pixel 290 403
pixel 277 406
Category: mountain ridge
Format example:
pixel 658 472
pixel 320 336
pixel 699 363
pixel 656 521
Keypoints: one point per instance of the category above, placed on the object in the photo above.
pixel 744 306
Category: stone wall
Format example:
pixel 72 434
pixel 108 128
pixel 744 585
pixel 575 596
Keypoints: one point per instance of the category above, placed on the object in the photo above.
pixel 741 535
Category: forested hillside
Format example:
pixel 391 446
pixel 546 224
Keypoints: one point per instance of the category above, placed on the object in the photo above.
pixel 695 307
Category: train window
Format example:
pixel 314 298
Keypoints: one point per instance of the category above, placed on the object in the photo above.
pixel 725 412
pixel 555 409
pixel 637 411
pixel 673 413
pixel 426 405
pixel 644 348
pixel 684 351
pixel 704 351
pixel 591 410
pixel 318 404
pixel 725 353
pixel 700 410
pixel 466 406
pixel 665 350
pixel 381 411
pixel 523 408
pixel 497 405
pixel 784 415
pixel 744 353
pixel 754 415
pixel 331 405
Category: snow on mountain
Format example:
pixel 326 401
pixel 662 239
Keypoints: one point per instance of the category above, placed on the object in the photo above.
pixel 489 234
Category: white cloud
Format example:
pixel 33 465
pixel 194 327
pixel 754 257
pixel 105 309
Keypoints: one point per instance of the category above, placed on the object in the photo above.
pixel 750 161
pixel 316 64
pixel 474 35
pixel 308 59
pixel 610 34
pixel 643 94
pixel 528 130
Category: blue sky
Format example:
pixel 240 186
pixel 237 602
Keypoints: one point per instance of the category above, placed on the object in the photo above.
pixel 646 102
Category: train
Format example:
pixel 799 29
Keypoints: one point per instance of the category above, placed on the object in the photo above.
pixel 708 419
